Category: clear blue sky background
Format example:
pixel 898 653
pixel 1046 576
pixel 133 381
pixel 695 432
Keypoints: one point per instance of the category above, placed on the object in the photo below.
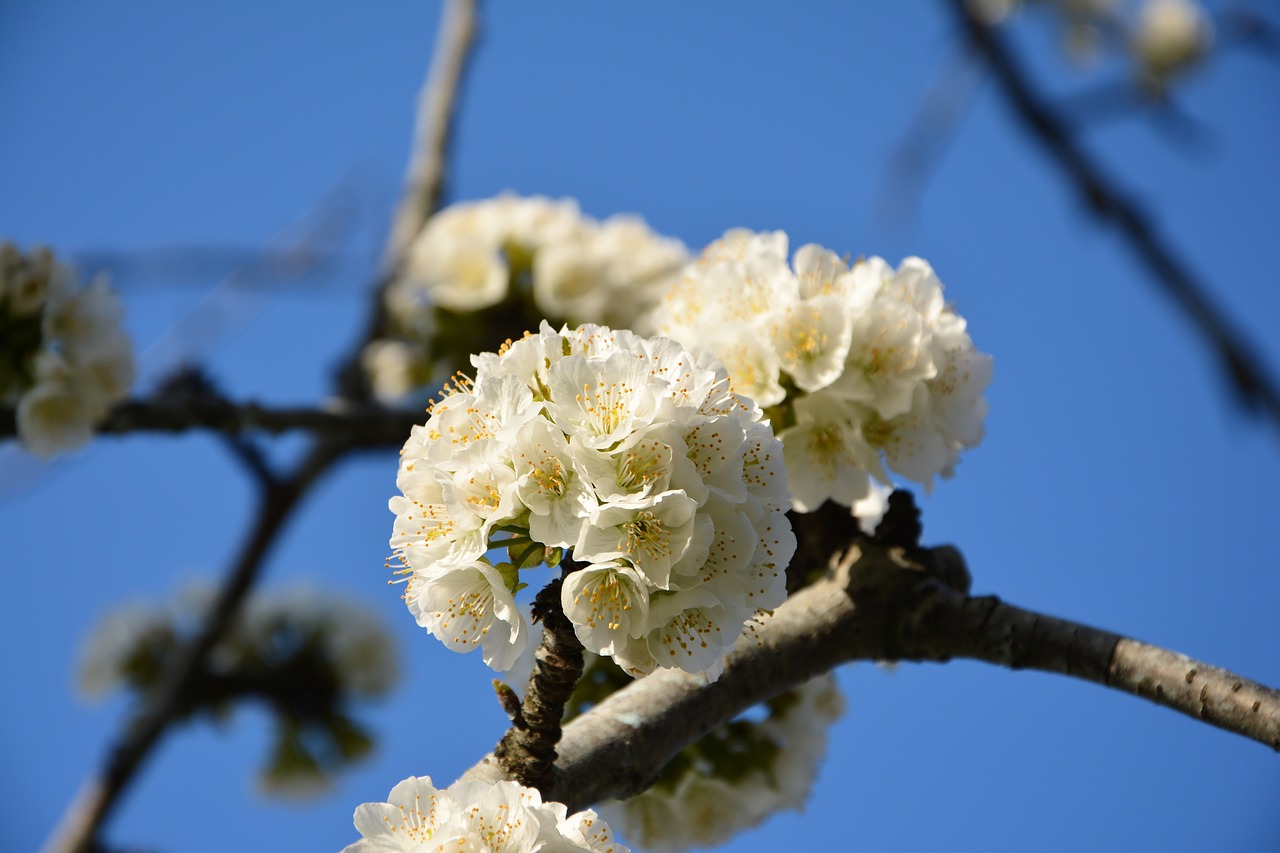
pixel 1116 485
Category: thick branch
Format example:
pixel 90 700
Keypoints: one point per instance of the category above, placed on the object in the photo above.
pixel 990 630
pixel 1244 367
pixel 881 603
pixel 357 426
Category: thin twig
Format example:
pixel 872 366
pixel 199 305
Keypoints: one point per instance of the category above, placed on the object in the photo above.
pixel 1248 377
pixel 365 426
pixel 933 127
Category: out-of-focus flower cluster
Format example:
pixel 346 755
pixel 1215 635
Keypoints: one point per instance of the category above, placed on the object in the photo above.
pixel 1163 38
pixel 731 779
pixel 864 367
pixel 668 488
pixel 304 654
pixel 64 359
pixel 499 817
pixel 501 266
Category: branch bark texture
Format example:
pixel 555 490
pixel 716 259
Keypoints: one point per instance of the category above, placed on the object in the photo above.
pixel 527 751
pixel 878 603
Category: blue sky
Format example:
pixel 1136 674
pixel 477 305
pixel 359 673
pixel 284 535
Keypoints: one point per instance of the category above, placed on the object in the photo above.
pixel 1116 486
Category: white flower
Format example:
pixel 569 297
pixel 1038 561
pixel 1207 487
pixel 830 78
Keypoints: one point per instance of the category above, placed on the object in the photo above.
pixel 629 451
pixel 474 255
pixel 58 413
pixel 825 454
pixel 390 366
pixel 475 817
pixel 865 342
pixel 601 402
pixel 607 603
pixel 653 533
pixel 812 339
pixel 560 500
pixel 469 607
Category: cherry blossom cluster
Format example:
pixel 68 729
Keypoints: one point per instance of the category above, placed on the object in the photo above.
pixel 580 270
pixel 64 359
pixel 668 488
pixel 502 817
pixel 737 776
pixel 487 270
pixel 869 369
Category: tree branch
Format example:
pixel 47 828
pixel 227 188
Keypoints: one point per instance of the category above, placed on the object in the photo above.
pixel 425 178
pixel 878 603
pixel 356 426
pixel 1255 389
pixel 80 824
pixel 337 433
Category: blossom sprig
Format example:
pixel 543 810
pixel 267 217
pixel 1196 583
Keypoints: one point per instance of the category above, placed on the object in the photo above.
pixel 304 655
pixel 64 359
pixel 866 369
pixel 668 488
pixel 499 817
pixel 502 265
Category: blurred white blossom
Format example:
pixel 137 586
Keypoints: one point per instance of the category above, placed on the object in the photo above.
pixel 582 270
pixel 1170 36
pixel 739 776
pixel 303 654
pixel 64 360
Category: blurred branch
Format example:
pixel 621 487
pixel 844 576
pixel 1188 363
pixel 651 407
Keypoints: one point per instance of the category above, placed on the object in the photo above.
pixel 78 829
pixel 940 112
pixel 878 602
pixel 364 426
pixel 1244 368
pixel 80 825
pixel 426 176
pixel 424 183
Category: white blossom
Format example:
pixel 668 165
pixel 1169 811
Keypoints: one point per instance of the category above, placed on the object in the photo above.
pixel 499 817
pixel 469 607
pixel 469 254
pixel 865 367
pixel 631 453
